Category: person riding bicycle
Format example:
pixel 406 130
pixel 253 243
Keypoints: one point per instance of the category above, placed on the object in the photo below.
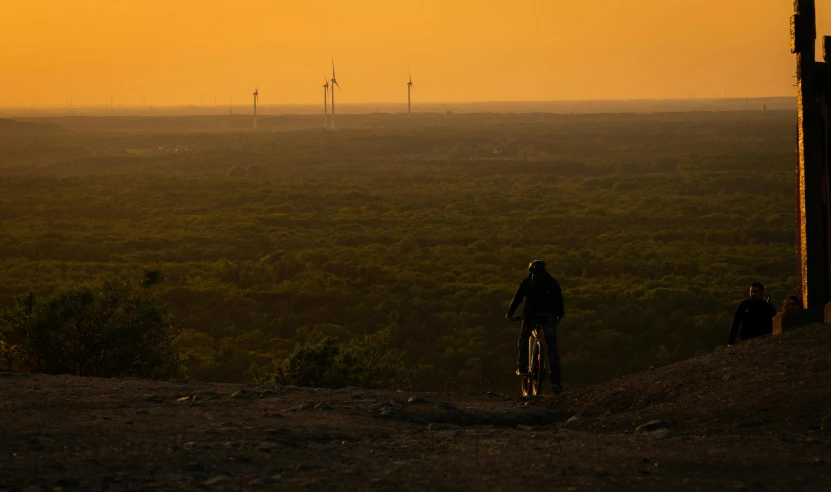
pixel 543 305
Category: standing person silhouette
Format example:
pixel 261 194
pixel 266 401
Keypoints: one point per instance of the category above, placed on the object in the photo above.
pixel 754 316
pixel 793 316
pixel 543 305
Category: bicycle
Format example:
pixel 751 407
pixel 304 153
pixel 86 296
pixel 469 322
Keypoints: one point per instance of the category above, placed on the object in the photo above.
pixel 535 375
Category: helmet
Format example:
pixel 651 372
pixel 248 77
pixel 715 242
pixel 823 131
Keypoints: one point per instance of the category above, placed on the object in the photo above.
pixel 536 266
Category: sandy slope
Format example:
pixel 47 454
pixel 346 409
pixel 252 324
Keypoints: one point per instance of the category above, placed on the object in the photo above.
pixel 745 418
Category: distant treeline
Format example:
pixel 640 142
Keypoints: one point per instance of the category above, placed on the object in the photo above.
pixel 654 224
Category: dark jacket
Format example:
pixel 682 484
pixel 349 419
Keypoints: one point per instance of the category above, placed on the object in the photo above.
pixel 752 319
pixel 792 320
pixel 542 294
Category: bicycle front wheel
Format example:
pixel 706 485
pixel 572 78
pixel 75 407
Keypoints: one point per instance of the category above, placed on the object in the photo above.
pixel 537 370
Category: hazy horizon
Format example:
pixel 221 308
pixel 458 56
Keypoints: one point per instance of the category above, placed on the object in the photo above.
pixel 425 108
pixel 197 53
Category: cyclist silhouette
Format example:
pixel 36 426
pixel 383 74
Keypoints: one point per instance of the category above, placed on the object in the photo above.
pixel 543 305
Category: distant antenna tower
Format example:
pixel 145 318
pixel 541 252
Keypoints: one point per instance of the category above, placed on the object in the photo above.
pixel 256 99
pixel 409 87
pixel 325 101
pixel 334 83
pixel 111 104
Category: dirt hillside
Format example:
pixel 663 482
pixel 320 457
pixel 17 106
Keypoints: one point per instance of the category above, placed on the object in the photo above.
pixel 747 418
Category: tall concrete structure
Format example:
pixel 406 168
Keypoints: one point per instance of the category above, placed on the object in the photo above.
pixel 812 173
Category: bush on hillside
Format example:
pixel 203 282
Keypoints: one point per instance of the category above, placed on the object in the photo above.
pixel 114 329
pixel 368 362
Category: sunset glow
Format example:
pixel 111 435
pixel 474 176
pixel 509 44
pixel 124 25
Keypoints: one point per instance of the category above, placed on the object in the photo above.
pixel 197 52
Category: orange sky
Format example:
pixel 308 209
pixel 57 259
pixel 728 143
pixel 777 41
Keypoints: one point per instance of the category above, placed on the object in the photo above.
pixel 171 52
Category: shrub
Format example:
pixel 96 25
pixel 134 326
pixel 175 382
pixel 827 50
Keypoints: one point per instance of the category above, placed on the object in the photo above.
pixel 368 362
pixel 111 330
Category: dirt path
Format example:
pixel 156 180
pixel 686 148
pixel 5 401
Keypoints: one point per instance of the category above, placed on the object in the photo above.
pixel 748 418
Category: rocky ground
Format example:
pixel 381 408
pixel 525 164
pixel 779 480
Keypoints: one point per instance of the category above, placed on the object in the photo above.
pixel 747 418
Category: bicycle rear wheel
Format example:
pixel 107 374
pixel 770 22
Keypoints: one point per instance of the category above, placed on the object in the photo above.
pixel 539 369
pixel 529 386
pixel 532 382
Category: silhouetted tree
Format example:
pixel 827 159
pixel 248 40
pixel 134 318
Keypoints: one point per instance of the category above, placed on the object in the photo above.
pixel 113 329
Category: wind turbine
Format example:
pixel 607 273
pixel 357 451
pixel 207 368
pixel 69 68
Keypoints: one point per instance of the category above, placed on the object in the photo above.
pixel 334 83
pixel 256 99
pixel 325 101
pixel 409 86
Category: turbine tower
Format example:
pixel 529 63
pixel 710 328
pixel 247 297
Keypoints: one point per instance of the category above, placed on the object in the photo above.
pixel 325 102
pixel 409 87
pixel 334 83
pixel 256 99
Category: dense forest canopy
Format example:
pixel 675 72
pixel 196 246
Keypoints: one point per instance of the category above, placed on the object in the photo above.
pixel 654 224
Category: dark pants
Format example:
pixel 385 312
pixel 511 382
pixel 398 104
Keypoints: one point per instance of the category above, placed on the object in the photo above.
pixel 549 322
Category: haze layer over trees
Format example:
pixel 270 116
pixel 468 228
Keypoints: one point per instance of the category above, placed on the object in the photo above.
pixel 654 225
